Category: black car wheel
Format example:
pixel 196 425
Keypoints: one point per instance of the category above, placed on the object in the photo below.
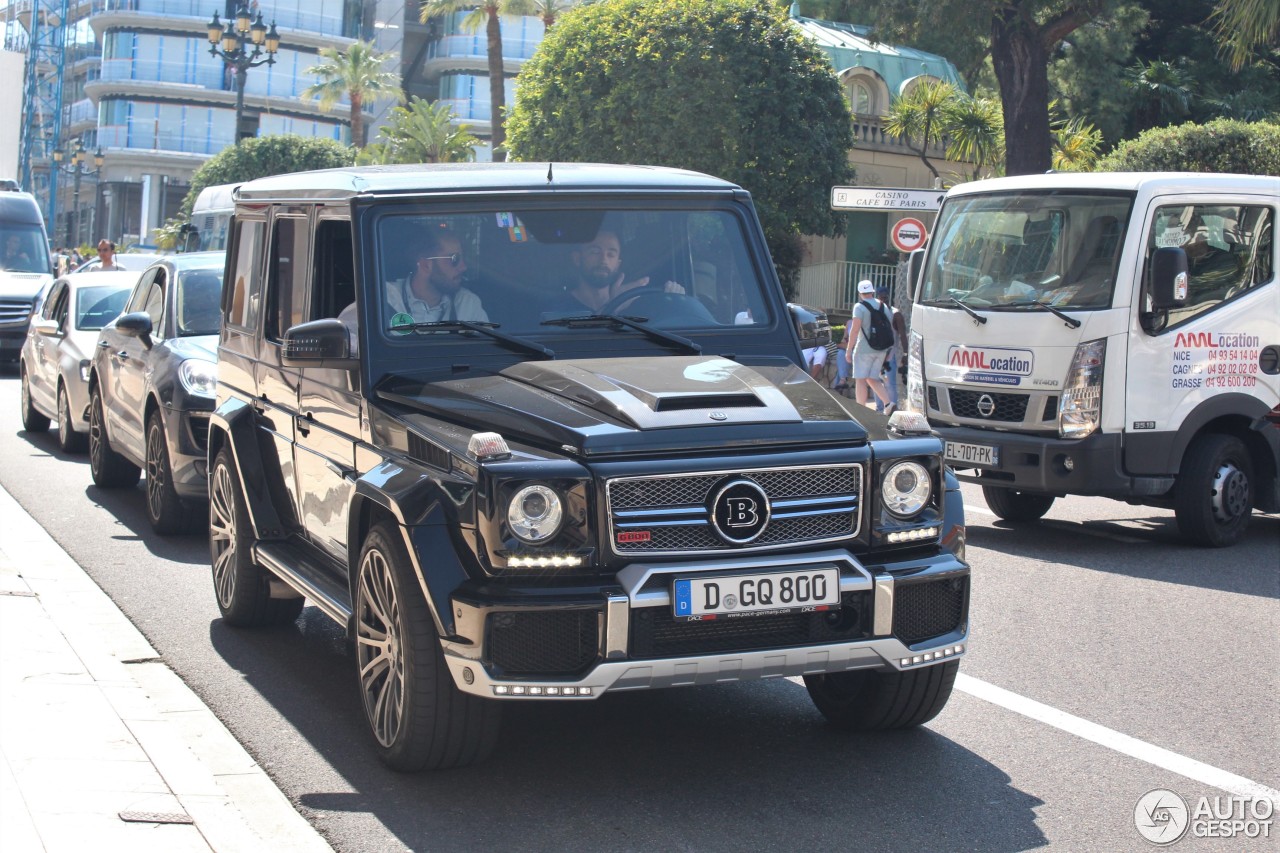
pixel 110 470
pixel 866 700
pixel 68 439
pixel 167 512
pixel 417 715
pixel 241 586
pixel 1214 495
pixel 1013 505
pixel 32 420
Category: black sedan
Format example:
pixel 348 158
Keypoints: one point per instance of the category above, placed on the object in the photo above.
pixel 151 389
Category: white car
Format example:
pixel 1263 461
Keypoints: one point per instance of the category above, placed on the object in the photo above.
pixel 125 260
pixel 54 362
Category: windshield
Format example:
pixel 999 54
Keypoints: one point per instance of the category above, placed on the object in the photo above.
pixel 23 249
pixel 98 306
pixel 1012 251
pixel 199 302
pixel 529 269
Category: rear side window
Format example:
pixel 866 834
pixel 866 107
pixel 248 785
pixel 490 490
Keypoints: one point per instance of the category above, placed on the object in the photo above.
pixel 242 302
pixel 286 276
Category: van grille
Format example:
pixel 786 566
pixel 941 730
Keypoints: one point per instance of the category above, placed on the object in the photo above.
pixel 14 310
pixel 1008 407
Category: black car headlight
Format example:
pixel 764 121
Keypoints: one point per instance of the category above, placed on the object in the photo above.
pixel 906 488
pixel 534 514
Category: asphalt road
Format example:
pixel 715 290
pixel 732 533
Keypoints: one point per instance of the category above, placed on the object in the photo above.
pixel 1122 653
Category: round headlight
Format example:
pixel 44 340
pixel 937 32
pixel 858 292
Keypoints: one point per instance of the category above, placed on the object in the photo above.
pixel 906 488
pixel 534 514
pixel 199 377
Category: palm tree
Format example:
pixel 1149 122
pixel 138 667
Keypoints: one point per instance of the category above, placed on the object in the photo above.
pixel 486 13
pixel 1163 91
pixel 421 133
pixel 1242 25
pixel 974 128
pixel 358 74
pixel 919 115
pixel 1076 144
pixel 551 10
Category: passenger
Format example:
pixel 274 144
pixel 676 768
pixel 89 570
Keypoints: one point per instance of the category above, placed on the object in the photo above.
pixel 434 292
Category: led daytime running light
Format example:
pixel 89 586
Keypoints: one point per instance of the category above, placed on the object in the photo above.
pixel 544 561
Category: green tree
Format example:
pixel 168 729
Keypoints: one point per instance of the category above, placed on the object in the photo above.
pixel 917 118
pixel 1245 25
pixel 486 13
pixel 266 155
pixel 421 133
pixel 727 87
pixel 1222 145
pixel 1076 145
pixel 1162 92
pixel 358 73
pixel 937 113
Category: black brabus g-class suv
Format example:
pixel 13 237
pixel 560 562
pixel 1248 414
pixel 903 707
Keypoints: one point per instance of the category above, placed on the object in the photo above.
pixel 538 432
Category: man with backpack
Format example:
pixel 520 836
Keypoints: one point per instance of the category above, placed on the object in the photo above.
pixel 867 344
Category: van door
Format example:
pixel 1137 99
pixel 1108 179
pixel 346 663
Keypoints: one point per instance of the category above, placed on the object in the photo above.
pixel 1208 351
pixel 277 385
pixel 329 403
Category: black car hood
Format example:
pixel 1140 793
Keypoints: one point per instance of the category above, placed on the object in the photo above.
pixel 195 346
pixel 621 405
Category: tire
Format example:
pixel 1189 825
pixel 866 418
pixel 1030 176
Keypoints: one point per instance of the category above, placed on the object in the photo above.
pixel 418 718
pixel 68 439
pixel 241 586
pixel 166 510
pixel 868 701
pixel 1012 505
pixel 32 420
pixel 1213 498
pixel 110 470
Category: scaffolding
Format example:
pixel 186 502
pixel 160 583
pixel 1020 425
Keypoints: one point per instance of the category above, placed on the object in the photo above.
pixel 46 24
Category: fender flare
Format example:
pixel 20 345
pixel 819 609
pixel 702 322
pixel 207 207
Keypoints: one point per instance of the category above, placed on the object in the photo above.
pixel 234 418
pixel 1249 409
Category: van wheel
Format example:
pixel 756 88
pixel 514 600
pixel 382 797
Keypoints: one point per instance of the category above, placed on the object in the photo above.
pixel 32 420
pixel 1214 494
pixel 167 512
pixel 68 439
pixel 241 586
pixel 866 700
pixel 1012 505
pixel 419 719
pixel 110 470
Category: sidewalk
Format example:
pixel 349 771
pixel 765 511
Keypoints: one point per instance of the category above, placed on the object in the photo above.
pixel 102 746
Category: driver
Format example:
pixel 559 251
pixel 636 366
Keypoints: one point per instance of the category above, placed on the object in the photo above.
pixel 598 277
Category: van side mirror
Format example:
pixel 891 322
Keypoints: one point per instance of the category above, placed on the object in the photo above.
pixel 1167 286
pixel 915 266
pixel 136 324
pixel 319 343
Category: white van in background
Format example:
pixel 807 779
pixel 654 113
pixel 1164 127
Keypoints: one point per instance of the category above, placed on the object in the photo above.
pixel 1107 334
pixel 25 267
pixel 210 219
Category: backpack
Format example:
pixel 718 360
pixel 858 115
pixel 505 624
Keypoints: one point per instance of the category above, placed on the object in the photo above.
pixel 879 328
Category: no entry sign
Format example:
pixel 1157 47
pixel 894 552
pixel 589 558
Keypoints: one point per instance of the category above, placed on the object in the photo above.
pixel 908 234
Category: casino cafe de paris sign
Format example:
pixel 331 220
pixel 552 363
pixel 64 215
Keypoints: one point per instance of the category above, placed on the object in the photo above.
pixel 886 198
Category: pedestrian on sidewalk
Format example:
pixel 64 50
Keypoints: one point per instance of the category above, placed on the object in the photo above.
pixel 867 344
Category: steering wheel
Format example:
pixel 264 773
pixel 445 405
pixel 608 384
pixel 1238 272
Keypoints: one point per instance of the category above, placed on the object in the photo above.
pixel 660 307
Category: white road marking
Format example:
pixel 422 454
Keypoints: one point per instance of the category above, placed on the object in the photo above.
pixel 1197 771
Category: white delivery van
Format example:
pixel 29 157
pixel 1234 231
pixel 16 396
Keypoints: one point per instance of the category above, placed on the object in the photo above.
pixel 211 214
pixel 1107 334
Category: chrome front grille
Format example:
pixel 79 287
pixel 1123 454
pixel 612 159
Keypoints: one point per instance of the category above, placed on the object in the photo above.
pixel 671 514
pixel 14 310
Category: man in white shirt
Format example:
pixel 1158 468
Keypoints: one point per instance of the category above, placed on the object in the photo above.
pixel 434 292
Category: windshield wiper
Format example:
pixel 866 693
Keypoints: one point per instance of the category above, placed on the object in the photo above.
pixel 1071 322
pixel 977 318
pixel 490 329
pixel 582 321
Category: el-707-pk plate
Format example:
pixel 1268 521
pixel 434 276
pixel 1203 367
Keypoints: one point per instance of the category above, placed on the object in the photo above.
pixel 702 598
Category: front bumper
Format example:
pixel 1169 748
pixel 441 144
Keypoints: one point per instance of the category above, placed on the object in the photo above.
pixel 1088 466
pixel 12 337
pixel 894 605
pixel 187 434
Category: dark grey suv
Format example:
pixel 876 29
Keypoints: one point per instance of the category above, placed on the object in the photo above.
pixel 540 433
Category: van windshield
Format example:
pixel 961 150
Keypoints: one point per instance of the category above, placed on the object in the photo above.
pixel 1021 251
pixel 530 269
pixel 23 249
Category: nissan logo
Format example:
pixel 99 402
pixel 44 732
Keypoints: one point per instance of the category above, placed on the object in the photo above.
pixel 986 406
pixel 739 511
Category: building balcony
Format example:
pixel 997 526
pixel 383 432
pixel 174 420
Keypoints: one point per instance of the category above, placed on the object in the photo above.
pixel 295 20
pixel 869 135
pixel 149 134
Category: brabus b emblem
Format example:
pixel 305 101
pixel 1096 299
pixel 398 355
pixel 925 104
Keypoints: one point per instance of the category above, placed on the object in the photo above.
pixel 739 510
pixel 719 416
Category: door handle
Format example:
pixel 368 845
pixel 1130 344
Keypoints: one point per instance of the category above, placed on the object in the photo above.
pixel 103 344
pixel 123 354
pixel 303 424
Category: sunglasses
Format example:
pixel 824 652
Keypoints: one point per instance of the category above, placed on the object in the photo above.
pixel 453 259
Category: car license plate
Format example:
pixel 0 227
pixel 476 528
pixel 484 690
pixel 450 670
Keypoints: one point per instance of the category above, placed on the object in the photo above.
pixel 963 455
pixel 698 599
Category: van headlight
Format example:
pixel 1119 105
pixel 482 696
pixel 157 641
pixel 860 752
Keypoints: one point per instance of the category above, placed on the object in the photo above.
pixel 915 373
pixel 534 514
pixel 199 377
pixel 906 488
pixel 1080 412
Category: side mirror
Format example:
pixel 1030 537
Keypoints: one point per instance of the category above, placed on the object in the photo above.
pixel 46 327
pixel 811 326
pixel 1167 286
pixel 319 343
pixel 135 324
pixel 915 266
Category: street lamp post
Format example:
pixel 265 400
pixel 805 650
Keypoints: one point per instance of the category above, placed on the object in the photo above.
pixel 77 157
pixel 234 46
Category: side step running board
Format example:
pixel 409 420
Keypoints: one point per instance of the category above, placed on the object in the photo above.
pixel 320 587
